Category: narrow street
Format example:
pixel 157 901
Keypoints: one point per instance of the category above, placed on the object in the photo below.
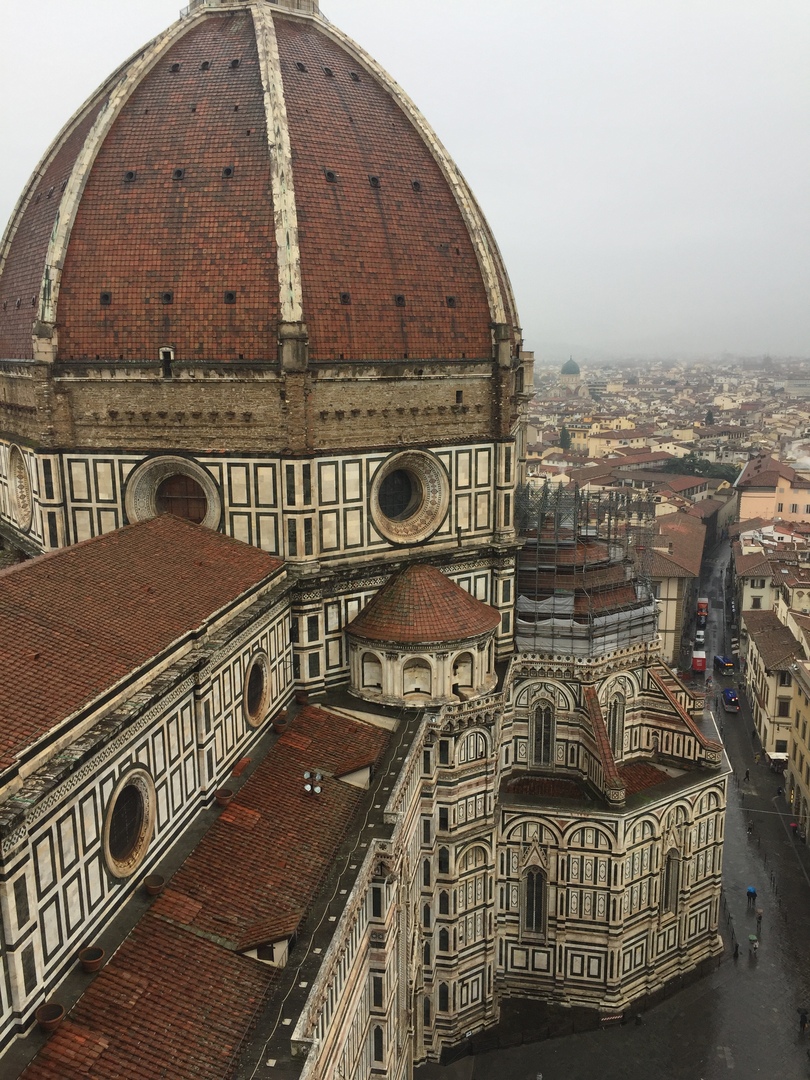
pixel 741 1020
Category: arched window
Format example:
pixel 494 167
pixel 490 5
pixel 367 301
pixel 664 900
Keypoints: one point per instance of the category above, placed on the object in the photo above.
pixel 672 868
pixel 378 1043
pixel 444 940
pixel 417 678
pixel 616 726
pixel 426 916
pixel 543 744
pixel 534 908
pixel 473 747
pixel 426 954
pixel 463 671
pixel 444 997
pixel 181 496
pixel 372 672
pixel 444 860
pixel 444 903
pixel 426 872
pixel 426 1010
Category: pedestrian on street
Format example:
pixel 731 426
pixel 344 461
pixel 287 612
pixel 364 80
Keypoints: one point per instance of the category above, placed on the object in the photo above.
pixel 779 793
pixel 756 759
pixel 751 893
pixel 736 950
pixel 747 776
pixel 754 735
pixel 759 919
pixel 794 828
pixel 802 1020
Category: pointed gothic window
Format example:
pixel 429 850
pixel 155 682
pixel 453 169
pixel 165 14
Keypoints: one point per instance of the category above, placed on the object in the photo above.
pixel 544 735
pixel 534 909
pixel 616 726
pixel 671 882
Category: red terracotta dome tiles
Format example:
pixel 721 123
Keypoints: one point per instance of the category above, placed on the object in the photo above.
pixel 420 604
pixel 196 237
pixel 376 243
pixel 24 268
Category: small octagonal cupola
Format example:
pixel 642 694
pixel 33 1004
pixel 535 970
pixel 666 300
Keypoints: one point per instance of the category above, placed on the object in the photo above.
pixel 422 640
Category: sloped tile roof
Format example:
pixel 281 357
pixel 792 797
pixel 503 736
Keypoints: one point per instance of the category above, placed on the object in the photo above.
pixel 765 471
pixel 177 998
pixel 639 775
pixel 264 858
pixel 168 1004
pixel 76 622
pixel 687 535
pixel 420 604
pixel 775 643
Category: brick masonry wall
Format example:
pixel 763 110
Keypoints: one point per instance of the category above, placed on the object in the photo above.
pixel 263 409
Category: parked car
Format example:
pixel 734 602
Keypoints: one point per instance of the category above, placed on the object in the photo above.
pixel 724 665
pixel 700 621
pixel 731 703
pixel 700 638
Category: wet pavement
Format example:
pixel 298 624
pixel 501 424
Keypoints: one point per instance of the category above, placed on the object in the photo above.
pixel 740 1021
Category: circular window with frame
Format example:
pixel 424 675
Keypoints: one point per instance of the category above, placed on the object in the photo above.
pixel 256 691
pixel 409 496
pixel 22 500
pixel 174 485
pixel 129 823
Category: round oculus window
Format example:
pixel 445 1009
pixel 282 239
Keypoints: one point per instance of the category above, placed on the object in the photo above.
pixel 22 501
pixel 256 694
pixel 129 823
pixel 173 485
pixel 400 495
pixel 409 497
pixel 181 496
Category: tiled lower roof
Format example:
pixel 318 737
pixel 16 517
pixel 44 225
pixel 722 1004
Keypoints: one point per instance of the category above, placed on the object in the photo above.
pixel 168 1004
pixel 76 622
pixel 639 775
pixel 177 998
pixel 264 858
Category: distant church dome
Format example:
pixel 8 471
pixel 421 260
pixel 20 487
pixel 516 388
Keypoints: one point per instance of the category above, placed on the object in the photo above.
pixel 250 169
pixel 570 367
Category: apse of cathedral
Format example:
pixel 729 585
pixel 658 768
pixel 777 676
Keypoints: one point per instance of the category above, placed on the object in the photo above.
pixel 336 740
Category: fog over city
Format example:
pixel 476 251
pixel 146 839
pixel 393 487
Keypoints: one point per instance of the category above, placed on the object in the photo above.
pixel 644 166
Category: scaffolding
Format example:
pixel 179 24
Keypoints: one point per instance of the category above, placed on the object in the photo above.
pixel 583 586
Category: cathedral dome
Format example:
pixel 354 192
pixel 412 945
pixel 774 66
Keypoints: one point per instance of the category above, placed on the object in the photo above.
pixel 250 170
pixel 570 367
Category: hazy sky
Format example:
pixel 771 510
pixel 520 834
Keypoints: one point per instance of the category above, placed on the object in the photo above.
pixel 644 163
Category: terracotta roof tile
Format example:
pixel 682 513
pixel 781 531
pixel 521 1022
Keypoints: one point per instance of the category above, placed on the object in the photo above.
pixel 775 643
pixel 420 604
pixel 168 1003
pixel 177 998
pixel 280 838
pixel 640 775
pixel 126 596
